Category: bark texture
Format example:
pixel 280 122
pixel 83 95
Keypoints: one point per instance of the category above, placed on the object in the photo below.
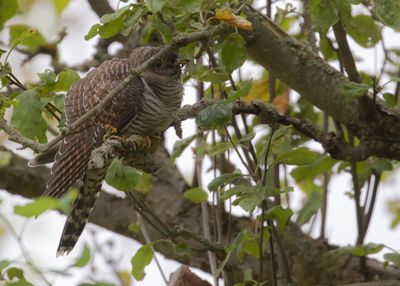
pixel 302 70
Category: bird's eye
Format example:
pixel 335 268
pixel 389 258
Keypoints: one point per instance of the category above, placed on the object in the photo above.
pixel 158 64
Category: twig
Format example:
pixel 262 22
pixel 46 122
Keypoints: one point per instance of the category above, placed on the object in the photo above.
pixel 325 189
pixel 308 31
pixel 359 214
pixel 148 240
pixel 205 219
pixel 16 136
pixel 24 251
pixel 347 59
pixel 264 207
pixel 370 208
pixel 238 153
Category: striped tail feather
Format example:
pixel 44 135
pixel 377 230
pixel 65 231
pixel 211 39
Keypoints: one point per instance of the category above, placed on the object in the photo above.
pixel 70 170
pixel 70 164
pixel 81 209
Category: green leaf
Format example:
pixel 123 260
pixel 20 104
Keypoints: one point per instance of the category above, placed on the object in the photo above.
pixel 280 215
pixel 84 259
pixel 321 165
pixel 235 95
pixel 155 5
pixel 5 158
pixel 249 203
pixel 392 257
pixel 4 264
pixel 112 28
pixel 65 79
pixel 388 12
pixel 182 249
pixel 390 99
pixel 233 52
pixel 324 14
pixel 140 260
pixel 144 184
pixel 163 29
pixel 196 195
pixel 8 8
pixel 380 165
pixel 214 77
pixel 36 207
pixel 243 191
pixel 26 36
pixel 204 73
pixel 126 178
pixel 134 227
pixel 181 145
pixel 60 5
pixel 353 89
pixel 27 116
pixel 363 29
pixel 310 208
pixel 395 221
pixel 94 30
pixel 14 272
pixel 108 18
pixel 361 250
pixel 48 77
pixel 132 19
pixel 223 180
pixel 65 202
pixel 298 156
pixel 22 282
pixel 219 148
pixel 246 242
pixel 214 116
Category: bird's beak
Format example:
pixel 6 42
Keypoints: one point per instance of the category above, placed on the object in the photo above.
pixel 182 61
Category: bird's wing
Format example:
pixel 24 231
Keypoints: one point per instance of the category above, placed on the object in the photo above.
pixel 71 160
pixel 73 167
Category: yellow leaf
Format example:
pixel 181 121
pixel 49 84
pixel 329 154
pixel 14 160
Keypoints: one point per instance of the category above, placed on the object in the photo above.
pixel 124 278
pixel 259 91
pixel 226 15
pixel 281 102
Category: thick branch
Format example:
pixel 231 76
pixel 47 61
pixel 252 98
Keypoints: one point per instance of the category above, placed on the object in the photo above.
pixel 332 143
pixel 302 70
pixel 16 136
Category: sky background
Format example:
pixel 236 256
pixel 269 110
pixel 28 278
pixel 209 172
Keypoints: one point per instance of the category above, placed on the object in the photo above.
pixel 41 236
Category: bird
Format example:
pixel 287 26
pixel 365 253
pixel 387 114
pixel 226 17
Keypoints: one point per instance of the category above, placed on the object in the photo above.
pixel 146 106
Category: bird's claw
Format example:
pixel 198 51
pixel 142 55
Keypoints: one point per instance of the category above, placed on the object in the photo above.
pixel 110 131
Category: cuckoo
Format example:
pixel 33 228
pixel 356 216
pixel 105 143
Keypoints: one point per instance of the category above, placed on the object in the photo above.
pixel 146 106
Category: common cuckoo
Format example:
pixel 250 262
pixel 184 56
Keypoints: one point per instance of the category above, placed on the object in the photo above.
pixel 146 106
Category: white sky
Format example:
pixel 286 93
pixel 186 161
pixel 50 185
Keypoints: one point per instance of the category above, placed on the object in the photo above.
pixel 42 235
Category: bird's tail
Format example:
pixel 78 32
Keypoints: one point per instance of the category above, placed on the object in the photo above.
pixel 81 209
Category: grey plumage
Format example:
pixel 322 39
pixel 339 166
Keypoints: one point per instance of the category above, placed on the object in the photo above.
pixel 146 106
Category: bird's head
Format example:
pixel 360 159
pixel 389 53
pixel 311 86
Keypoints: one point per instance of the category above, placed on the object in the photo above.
pixel 169 65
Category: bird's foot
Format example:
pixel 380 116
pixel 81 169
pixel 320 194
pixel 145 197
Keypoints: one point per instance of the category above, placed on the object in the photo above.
pixel 178 129
pixel 110 131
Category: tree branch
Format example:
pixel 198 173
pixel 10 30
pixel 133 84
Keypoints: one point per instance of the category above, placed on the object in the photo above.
pixel 301 69
pixel 333 144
